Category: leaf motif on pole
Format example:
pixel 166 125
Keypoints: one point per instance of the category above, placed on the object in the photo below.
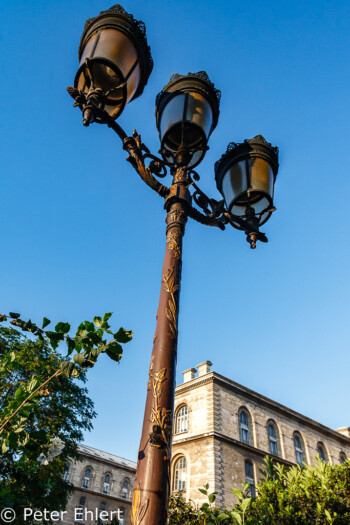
pixel 138 510
pixel 171 288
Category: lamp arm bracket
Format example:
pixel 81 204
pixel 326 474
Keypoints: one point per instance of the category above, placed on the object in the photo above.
pixel 206 219
pixel 138 153
pixel 214 211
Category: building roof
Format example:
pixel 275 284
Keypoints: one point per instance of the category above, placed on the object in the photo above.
pixel 85 449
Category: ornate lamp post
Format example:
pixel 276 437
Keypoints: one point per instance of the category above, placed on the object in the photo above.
pixel 115 64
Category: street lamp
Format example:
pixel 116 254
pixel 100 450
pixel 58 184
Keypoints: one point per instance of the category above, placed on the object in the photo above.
pixel 115 64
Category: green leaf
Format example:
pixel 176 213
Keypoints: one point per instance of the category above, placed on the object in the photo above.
pixel 234 515
pixel 115 357
pixel 203 491
pixel 13 315
pixel 67 368
pixel 62 328
pixel 237 493
pixel 212 497
pixel 79 359
pixel 70 345
pixel 46 322
pixel 245 503
pixel 4 448
pixel 123 336
pixel 89 326
pixel 222 517
pixel 116 349
pixel 98 321
pixel 107 316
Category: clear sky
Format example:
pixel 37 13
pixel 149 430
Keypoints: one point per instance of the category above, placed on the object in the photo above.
pixel 82 235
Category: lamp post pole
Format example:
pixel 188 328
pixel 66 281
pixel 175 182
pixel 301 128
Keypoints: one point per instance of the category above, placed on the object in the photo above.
pixel 115 63
pixel 152 483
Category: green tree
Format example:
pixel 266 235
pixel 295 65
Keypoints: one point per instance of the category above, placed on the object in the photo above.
pixel 43 409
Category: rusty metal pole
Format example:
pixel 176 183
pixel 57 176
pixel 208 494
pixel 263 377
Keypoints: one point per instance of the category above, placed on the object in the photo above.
pixel 152 483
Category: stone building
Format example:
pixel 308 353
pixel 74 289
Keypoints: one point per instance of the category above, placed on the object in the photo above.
pixel 222 431
pixel 103 484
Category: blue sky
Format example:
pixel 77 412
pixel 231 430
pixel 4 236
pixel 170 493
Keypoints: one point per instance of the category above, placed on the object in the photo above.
pixel 82 235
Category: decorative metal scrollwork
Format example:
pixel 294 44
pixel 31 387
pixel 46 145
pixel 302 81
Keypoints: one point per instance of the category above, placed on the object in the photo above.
pixel 157 166
pixel 211 207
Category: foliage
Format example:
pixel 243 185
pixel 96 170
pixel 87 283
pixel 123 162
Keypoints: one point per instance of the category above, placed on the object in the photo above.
pixel 311 495
pixel 43 410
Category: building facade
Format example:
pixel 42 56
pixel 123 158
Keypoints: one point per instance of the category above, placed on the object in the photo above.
pixel 103 485
pixel 222 431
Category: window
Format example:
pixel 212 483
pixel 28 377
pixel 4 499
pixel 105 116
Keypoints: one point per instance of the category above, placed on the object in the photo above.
pixel 79 513
pixel 299 452
pixel 102 515
pixel 244 427
pixel 126 489
pixel 342 458
pixel 182 420
pixel 87 478
pixel 66 472
pixel 249 477
pixel 121 517
pixel 180 474
pixel 272 435
pixel 106 484
pixel 321 451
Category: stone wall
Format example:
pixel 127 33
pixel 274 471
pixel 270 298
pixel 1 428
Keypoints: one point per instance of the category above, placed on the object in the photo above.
pixel 94 496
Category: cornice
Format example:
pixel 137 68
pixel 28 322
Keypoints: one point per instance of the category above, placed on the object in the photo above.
pixel 101 495
pixel 248 448
pixel 259 399
pixel 282 409
pixel 194 383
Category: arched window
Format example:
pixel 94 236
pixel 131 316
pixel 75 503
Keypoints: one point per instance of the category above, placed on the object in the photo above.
pixel 272 434
pixel 249 476
pixel 79 512
pixel 244 427
pixel 342 458
pixel 321 451
pixel 106 484
pixel 125 489
pixel 103 506
pixel 180 474
pixel 66 472
pixel 299 449
pixel 87 478
pixel 182 420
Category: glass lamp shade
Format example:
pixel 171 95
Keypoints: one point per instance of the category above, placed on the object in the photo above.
pixel 187 112
pixel 245 176
pixel 114 57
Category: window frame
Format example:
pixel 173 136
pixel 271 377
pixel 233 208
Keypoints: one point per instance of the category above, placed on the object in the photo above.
pixel 299 451
pixel 249 478
pixel 342 457
pixel 107 484
pixel 273 439
pixel 245 428
pixel 323 455
pixel 180 481
pixel 182 420
pixel 87 480
pixel 125 494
